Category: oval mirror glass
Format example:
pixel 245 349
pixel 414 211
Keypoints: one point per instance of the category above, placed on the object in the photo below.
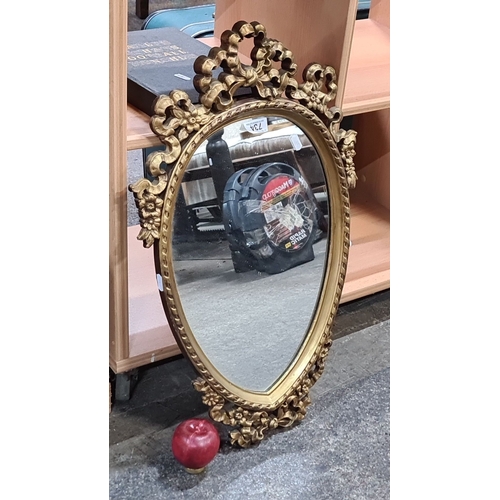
pixel 250 234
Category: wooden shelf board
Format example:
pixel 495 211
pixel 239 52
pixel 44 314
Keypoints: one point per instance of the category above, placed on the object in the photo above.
pixel 368 75
pixel 143 359
pixel 139 135
pixel 150 337
pixel 368 268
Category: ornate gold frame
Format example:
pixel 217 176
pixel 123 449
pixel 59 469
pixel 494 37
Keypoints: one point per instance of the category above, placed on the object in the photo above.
pixel 182 127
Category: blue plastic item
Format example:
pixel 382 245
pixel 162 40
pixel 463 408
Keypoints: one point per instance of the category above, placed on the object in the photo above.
pixel 197 22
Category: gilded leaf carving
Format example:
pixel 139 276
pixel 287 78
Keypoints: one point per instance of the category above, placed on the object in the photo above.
pixel 148 200
pixel 346 141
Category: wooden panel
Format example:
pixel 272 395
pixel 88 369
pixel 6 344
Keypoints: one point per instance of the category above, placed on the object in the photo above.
pixel 139 134
pixel 146 315
pixel 368 267
pixel 315 31
pixel 368 97
pixel 118 301
pixel 368 77
pixel 374 182
pixel 145 359
pixel 372 158
pixel 380 11
pixel 150 338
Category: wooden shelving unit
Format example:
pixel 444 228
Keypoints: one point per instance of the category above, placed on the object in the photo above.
pixel 359 50
pixel 367 85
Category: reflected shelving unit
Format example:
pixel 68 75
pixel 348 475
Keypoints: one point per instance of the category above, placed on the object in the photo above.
pixel 359 50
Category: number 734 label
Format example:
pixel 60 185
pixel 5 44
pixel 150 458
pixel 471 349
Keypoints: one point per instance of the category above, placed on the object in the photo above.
pixel 257 126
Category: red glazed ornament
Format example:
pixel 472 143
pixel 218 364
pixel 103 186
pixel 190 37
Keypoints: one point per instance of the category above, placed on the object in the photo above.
pixel 195 443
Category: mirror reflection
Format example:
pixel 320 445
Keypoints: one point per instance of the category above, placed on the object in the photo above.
pixel 249 242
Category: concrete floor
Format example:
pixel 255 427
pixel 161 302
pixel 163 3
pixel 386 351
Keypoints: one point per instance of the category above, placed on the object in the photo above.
pixel 339 451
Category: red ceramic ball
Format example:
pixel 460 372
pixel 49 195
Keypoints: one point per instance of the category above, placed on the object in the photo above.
pixel 195 443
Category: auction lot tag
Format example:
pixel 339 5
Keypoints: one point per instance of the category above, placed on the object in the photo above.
pixel 296 144
pixel 159 281
pixel 257 126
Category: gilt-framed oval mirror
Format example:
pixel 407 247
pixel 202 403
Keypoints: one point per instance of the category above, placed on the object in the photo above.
pixel 247 207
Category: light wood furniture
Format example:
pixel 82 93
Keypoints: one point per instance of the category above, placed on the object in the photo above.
pixel 318 30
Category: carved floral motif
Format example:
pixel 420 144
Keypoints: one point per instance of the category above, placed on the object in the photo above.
pixel 251 426
pixel 346 141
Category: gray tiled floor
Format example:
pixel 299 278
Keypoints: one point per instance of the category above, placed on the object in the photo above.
pixel 340 450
